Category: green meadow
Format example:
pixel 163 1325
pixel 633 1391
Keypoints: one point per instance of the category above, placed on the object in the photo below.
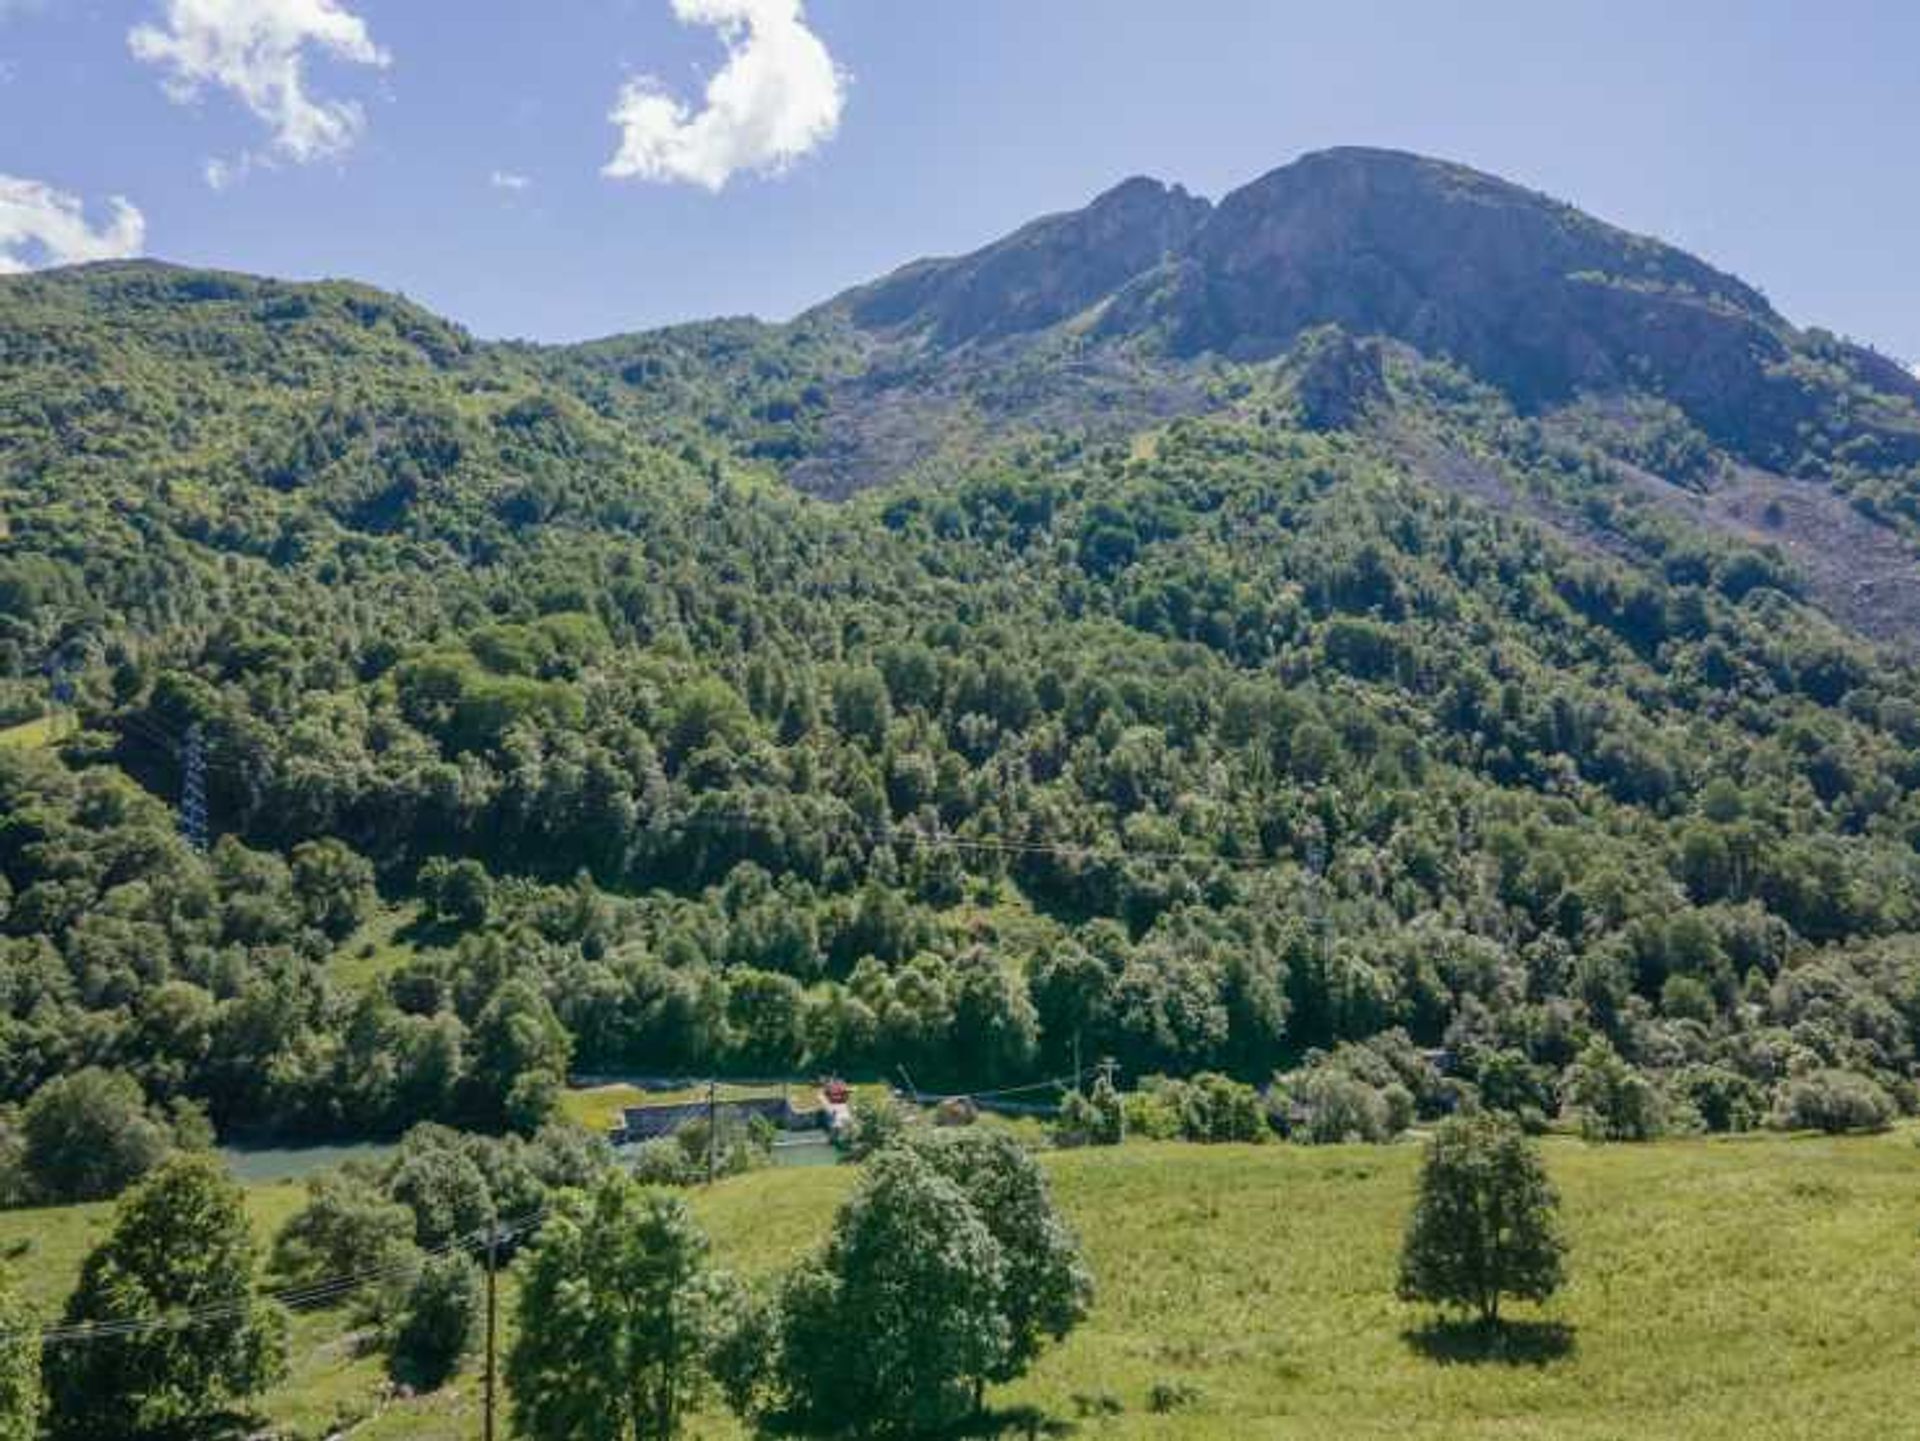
pixel 1752 1288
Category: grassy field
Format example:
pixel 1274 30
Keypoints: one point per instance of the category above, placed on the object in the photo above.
pixel 377 948
pixel 36 734
pixel 1748 1289
pixel 1757 1289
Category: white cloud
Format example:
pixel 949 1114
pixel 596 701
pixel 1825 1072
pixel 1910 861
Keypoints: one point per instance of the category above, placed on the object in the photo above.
pixel 508 180
pixel 43 226
pixel 258 49
pixel 778 97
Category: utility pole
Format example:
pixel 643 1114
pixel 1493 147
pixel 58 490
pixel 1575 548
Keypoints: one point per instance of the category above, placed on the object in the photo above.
pixel 713 1128
pixel 1319 916
pixel 193 789
pixel 1109 1072
pixel 493 1241
pixel 1076 1058
pixel 60 684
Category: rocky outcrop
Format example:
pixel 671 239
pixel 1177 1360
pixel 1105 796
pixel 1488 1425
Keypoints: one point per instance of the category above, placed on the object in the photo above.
pixel 1042 275
pixel 1526 292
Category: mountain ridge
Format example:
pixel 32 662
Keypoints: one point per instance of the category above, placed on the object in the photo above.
pixel 1525 291
pixel 1220 713
pixel 1149 303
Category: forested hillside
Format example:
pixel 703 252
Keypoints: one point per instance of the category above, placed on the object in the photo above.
pixel 1327 693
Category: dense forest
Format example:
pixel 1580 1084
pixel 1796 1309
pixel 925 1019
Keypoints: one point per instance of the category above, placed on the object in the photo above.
pixel 1213 743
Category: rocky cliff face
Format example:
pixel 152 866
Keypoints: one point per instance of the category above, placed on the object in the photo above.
pixel 1527 293
pixel 1042 275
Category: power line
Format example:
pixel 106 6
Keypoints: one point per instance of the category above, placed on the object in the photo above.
pixel 675 1084
pixel 308 1294
pixel 891 833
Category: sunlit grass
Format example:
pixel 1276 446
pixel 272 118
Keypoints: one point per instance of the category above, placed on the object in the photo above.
pixel 377 949
pixel 38 733
pixel 1752 1290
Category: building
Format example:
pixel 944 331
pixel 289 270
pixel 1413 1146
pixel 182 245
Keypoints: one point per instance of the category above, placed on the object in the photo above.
pixel 647 1123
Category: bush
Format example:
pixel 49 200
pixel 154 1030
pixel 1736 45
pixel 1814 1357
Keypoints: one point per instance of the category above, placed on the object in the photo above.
pixel 1165 1397
pixel 1832 1101
pixel 1151 1116
pixel 1614 1101
pixel 1098 1119
pixel 1510 1083
pixel 1210 1108
pixel 876 1121
pixel 345 1228
pixel 1724 1100
pixel 433 1327
pixel 88 1136
pixel 1326 1105
pixel 681 1158
pixel 19 1366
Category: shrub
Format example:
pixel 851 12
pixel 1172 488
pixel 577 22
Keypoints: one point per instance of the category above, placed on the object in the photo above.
pixel 345 1228
pixel 1098 1119
pixel 1832 1101
pixel 1165 1397
pixel 90 1135
pixel 1328 1105
pixel 433 1327
pixel 877 1120
pixel 1724 1100
pixel 19 1367
pixel 1615 1102
pixel 1210 1107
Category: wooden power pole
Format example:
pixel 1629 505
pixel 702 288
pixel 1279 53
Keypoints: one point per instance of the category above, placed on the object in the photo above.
pixel 493 1238
pixel 713 1128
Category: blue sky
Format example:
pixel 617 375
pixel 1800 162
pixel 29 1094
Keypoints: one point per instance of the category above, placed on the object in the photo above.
pixel 459 150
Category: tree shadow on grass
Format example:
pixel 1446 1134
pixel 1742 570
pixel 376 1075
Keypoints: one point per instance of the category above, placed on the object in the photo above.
pixel 220 1426
pixel 1508 1343
pixel 1012 1423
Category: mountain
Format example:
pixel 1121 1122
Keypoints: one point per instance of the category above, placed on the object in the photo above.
pixel 1526 293
pixel 1709 405
pixel 1385 601
pixel 1041 275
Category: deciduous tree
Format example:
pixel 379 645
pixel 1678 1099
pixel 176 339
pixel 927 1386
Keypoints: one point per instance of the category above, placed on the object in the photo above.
pixel 1484 1225
pixel 617 1314
pixel 180 1246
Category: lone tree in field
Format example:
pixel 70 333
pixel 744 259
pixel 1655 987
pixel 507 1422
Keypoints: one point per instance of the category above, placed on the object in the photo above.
pixel 948 1270
pixel 1485 1225
pixel 894 1329
pixel 617 1315
pixel 1045 1289
pixel 180 1243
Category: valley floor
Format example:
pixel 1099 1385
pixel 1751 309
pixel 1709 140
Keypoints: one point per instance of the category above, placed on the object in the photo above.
pixel 1758 1289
